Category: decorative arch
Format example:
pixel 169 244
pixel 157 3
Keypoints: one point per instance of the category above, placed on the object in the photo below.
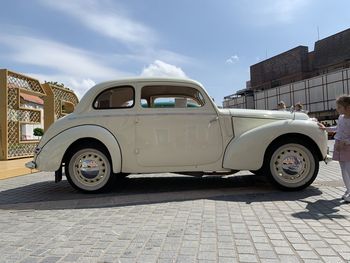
pixel 58 103
pixel 14 114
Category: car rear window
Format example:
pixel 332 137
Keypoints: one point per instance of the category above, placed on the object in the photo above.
pixel 165 96
pixel 115 98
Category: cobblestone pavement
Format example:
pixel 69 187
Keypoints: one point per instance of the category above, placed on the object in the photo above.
pixel 175 219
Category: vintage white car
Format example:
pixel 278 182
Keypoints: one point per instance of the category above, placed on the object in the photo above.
pixel 155 125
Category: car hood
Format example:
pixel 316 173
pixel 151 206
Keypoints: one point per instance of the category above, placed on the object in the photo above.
pixel 265 114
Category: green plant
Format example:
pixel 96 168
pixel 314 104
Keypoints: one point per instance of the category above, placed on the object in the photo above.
pixel 38 132
pixel 55 83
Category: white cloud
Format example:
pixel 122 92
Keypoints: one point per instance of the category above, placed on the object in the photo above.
pixel 232 60
pixel 105 19
pixel 268 12
pixel 171 57
pixel 58 57
pixel 283 10
pixel 79 69
pixel 161 69
pixel 81 84
pixel 77 84
pixel 145 56
pixel 76 68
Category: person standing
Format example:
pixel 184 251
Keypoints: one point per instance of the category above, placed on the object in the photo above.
pixel 298 107
pixel 341 151
pixel 281 106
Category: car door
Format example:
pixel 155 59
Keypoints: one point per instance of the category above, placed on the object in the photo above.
pixel 177 126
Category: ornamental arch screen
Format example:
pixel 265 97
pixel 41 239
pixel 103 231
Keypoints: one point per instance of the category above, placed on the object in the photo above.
pixel 58 103
pixel 13 114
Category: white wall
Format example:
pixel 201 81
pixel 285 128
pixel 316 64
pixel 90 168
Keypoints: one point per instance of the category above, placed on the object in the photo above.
pixel 316 94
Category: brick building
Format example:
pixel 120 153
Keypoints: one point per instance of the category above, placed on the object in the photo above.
pixel 290 66
pixel 329 54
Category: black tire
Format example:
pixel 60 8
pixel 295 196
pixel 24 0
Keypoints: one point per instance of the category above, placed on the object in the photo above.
pixel 259 172
pixel 89 169
pixel 121 175
pixel 291 165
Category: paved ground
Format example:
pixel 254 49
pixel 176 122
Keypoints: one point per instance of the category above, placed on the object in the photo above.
pixel 175 219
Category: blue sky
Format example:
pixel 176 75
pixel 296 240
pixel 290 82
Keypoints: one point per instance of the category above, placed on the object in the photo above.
pixel 83 42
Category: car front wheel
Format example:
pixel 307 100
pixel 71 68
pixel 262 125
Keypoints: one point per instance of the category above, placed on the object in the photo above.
pixel 291 166
pixel 89 170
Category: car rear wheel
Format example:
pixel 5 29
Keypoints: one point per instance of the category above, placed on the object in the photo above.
pixel 89 170
pixel 291 166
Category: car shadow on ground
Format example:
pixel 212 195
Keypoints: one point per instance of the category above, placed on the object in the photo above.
pixel 141 190
pixel 132 186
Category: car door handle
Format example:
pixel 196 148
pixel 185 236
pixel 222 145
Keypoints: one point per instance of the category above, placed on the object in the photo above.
pixel 214 120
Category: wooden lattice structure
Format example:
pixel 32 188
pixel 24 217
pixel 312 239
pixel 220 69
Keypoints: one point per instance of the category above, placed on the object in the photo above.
pixel 12 114
pixel 58 102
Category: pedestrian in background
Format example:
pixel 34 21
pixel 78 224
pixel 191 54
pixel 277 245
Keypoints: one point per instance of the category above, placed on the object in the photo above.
pixel 298 107
pixel 281 105
pixel 341 151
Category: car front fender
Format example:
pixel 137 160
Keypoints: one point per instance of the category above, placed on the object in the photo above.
pixel 246 151
pixel 51 154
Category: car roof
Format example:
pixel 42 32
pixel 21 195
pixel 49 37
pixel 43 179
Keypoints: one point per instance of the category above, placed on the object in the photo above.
pixel 148 79
pixel 95 90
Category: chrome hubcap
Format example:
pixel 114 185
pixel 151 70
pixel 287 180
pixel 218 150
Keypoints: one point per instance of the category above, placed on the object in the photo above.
pixel 90 168
pixel 291 164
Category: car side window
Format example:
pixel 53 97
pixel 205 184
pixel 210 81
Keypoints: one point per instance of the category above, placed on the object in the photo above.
pixel 171 97
pixel 115 98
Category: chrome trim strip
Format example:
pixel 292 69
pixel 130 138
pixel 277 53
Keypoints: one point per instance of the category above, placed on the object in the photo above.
pixel 144 114
pixel 259 117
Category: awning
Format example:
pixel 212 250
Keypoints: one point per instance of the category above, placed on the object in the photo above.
pixel 32 98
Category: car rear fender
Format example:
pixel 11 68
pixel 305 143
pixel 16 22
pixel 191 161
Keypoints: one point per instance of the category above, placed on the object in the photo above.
pixel 51 154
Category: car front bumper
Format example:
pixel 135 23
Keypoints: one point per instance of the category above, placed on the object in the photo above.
pixel 328 159
pixel 31 165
